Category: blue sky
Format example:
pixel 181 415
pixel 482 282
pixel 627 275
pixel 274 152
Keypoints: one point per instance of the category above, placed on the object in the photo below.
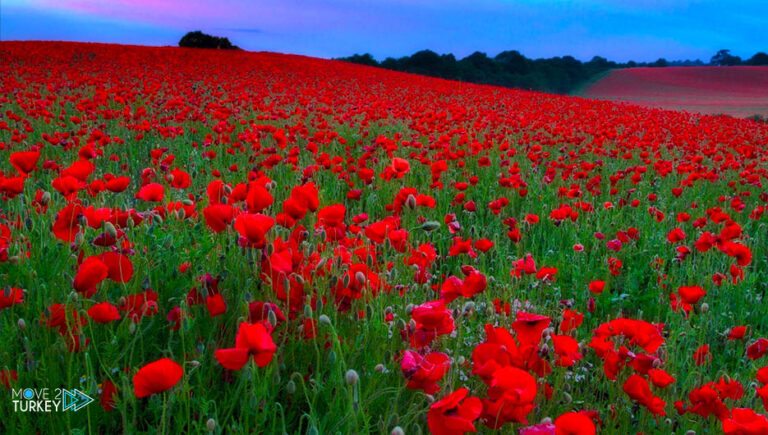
pixel 641 30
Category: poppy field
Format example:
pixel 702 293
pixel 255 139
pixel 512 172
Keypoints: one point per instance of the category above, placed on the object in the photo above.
pixel 232 242
pixel 740 91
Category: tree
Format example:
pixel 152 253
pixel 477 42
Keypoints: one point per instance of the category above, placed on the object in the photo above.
pixel 198 39
pixel 362 59
pixel 758 59
pixel 725 58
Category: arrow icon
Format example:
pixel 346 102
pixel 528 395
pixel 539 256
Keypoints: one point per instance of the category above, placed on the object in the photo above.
pixel 74 400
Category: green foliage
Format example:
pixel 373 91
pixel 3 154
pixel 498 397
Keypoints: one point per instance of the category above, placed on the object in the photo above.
pixel 198 39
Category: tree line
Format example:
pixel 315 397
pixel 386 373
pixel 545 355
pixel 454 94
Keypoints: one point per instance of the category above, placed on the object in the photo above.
pixel 561 75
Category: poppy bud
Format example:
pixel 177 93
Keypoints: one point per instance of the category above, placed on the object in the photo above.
pixel 45 198
pixel 272 317
pixel 290 388
pixel 110 229
pixel 401 324
pixel 351 377
pixel 194 363
pixel 409 309
pixel 319 305
pixel 591 305
pixel 22 325
pixel 346 281
pixel 691 432
pixel 320 264
pixel 379 368
pixel 567 398
pixel 461 360
pixel 324 320
pixel 546 420
pixel 188 202
pixel 397 431
pixel 360 278
pixel 307 311
pixel 411 202
pixel 79 239
pixel 210 425
pixel 430 226
pixel 468 308
pixel 332 357
pixel 312 431
pixel 704 307
pixel 132 328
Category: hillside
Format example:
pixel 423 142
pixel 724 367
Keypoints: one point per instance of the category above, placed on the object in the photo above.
pixel 229 242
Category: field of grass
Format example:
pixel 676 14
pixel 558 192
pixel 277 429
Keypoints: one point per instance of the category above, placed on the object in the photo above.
pixel 233 242
pixel 740 91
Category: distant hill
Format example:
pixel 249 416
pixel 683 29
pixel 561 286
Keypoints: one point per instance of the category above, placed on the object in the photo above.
pixel 740 91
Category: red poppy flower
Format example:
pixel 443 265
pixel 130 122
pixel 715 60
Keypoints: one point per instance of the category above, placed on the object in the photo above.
pixel 252 339
pixel 453 415
pixel 156 377
pixel 253 228
pixel 574 423
pixel 152 192
pixel 529 327
pixel 90 273
pixel 424 372
pixel 103 313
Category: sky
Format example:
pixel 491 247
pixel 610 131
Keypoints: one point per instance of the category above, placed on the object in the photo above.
pixel 640 30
